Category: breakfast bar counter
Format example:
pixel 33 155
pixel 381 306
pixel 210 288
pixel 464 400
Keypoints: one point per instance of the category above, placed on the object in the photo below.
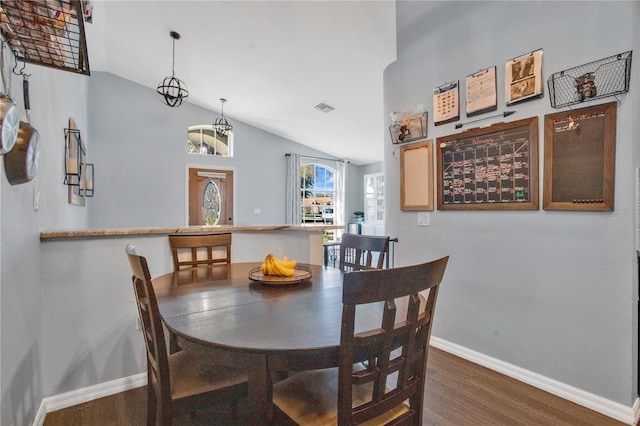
pixel 249 242
pixel 116 232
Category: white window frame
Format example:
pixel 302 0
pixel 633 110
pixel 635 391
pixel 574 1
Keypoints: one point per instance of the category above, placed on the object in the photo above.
pixel 303 206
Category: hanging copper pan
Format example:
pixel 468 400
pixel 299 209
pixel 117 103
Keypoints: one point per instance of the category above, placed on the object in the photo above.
pixel 21 163
pixel 8 112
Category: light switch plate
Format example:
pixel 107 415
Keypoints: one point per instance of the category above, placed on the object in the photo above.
pixel 36 199
pixel 424 219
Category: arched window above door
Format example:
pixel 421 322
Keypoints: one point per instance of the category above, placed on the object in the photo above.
pixel 203 139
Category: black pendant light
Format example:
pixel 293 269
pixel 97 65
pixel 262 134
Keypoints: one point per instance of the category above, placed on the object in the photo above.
pixel 221 125
pixel 172 89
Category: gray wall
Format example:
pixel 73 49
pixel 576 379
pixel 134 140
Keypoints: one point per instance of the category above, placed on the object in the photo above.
pixel 552 292
pixel 561 301
pixel 55 96
pixel 139 147
pixel 135 142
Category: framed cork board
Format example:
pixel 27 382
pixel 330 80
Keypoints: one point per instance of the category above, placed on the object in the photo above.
pixel 579 159
pixel 416 176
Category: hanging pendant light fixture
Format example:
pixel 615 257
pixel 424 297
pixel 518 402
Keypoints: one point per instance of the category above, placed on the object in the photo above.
pixel 172 89
pixel 221 125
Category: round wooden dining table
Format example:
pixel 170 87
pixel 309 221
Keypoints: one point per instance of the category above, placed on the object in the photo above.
pixel 268 328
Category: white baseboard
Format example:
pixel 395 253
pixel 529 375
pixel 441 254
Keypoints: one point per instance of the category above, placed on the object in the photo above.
pixel 79 396
pixel 40 415
pixel 628 415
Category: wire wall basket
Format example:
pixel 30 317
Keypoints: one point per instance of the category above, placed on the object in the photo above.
pixel 605 77
pixel 47 33
pixel 408 127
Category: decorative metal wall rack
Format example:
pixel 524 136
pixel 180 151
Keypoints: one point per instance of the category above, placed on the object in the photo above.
pixel 47 33
pixel 605 77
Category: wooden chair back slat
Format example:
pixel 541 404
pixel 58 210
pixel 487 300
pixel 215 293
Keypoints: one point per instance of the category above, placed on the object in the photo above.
pixel 394 345
pixel 152 329
pixel 192 250
pixel 357 252
pixel 182 382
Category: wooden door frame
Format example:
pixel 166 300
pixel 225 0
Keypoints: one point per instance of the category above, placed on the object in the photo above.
pixel 211 167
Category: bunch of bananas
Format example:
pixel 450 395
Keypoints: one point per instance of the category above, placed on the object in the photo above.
pixel 274 266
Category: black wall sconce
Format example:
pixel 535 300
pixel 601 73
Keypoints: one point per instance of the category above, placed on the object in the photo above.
pixel 73 157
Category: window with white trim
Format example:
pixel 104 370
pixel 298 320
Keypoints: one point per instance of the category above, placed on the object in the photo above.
pixel 203 139
pixel 317 193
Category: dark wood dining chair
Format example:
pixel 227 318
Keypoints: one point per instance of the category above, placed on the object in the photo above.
pixel 359 251
pixel 192 250
pixel 182 382
pixel 389 391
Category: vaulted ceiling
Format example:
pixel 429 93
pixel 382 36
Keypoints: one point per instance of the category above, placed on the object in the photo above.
pixel 272 61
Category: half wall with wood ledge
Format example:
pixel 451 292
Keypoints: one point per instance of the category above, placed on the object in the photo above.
pixel 85 274
pixel 250 242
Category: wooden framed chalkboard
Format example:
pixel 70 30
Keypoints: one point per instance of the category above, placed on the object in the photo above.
pixel 416 176
pixel 579 158
pixel 490 168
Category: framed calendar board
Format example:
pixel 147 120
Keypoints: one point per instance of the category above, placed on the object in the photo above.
pixel 490 168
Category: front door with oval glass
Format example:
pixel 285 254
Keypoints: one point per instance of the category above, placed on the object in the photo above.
pixel 210 197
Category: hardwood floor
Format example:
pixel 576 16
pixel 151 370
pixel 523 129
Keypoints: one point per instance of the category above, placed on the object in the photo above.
pixel 458 393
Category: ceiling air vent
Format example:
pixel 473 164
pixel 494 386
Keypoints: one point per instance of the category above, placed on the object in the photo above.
pixel 324 107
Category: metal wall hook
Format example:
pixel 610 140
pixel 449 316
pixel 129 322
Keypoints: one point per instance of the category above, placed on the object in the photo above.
pixel 618 101
pixel 24 65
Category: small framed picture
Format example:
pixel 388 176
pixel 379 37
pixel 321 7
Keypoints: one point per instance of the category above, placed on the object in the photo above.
pixel 523 77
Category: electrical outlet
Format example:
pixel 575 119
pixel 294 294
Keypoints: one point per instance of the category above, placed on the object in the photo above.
pixel 256 210
pixel 36 199
pixel 424 219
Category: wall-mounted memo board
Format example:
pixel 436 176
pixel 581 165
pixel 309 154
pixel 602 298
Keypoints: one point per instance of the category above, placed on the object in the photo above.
pixel 490 168
pixel 416 176
pixel 579 158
